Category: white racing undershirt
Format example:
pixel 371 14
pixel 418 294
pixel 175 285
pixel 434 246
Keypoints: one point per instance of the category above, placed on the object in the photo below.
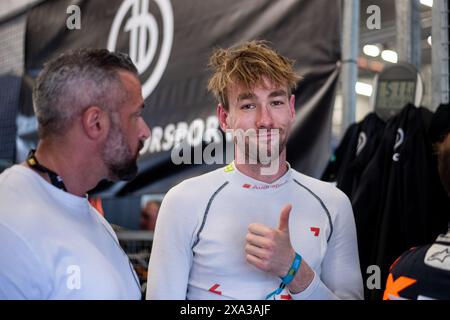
pixel 198 249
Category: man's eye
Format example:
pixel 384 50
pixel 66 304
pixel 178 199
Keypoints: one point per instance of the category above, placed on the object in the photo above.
pixel 248 107
pixel 277 103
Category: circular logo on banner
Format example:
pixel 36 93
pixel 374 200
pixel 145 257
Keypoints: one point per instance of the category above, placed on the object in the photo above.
pixel 143 38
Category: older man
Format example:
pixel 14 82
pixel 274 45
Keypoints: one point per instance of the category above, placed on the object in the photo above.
pixel 54 244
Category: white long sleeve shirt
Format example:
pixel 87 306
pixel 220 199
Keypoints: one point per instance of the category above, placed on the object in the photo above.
pixel 198 249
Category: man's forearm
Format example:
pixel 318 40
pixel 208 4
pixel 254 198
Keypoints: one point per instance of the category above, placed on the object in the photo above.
pixel 302 279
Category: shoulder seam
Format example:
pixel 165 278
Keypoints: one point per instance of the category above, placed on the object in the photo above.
pixel 322 204
pixel 197 240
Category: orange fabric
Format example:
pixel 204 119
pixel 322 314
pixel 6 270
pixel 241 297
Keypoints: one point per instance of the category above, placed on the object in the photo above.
pixel 97 204
pixel 393 287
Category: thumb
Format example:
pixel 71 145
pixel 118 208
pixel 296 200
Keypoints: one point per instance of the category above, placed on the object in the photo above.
pixel 284 218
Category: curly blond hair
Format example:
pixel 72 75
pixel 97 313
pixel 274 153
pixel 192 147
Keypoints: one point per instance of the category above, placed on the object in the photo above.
pixel 247 64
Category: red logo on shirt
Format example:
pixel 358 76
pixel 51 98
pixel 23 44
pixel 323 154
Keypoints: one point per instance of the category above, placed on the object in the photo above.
pixel 316 231
pixel 286 297
pixel 264 186
pixel 213 289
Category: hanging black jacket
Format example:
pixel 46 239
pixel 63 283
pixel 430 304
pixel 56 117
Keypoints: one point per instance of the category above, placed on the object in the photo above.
pixel 399 202
pixel 357 147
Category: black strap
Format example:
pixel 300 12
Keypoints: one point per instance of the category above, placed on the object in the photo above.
pixel 55 179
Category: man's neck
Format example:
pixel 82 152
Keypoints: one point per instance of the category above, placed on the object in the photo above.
pixel 77 175
pixel 265 173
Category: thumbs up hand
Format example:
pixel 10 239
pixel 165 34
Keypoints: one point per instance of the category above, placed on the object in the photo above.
pixel 270 249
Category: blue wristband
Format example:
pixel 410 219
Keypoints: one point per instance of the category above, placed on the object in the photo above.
pixel 288 277
pixel 293 270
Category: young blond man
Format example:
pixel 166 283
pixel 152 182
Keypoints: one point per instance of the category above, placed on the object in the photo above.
pixel 255 229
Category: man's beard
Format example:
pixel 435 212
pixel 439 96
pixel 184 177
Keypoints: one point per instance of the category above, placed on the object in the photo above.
pixel 118 156
pixel 257 148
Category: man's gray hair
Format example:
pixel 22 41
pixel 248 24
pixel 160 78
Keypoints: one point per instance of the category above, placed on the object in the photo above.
pixel 74 81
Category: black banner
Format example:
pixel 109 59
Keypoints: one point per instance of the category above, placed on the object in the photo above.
pixel 170 42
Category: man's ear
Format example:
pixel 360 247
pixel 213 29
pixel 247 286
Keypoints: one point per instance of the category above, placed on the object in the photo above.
pixel 222 115
pixel 95 122
pixel 292 106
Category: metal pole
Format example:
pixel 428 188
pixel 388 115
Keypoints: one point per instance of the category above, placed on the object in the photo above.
pixel 409 44
pixel 349 76
pixel 439 54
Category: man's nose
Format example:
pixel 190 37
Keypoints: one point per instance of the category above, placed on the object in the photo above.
pixel 145 131
pixel 264 118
